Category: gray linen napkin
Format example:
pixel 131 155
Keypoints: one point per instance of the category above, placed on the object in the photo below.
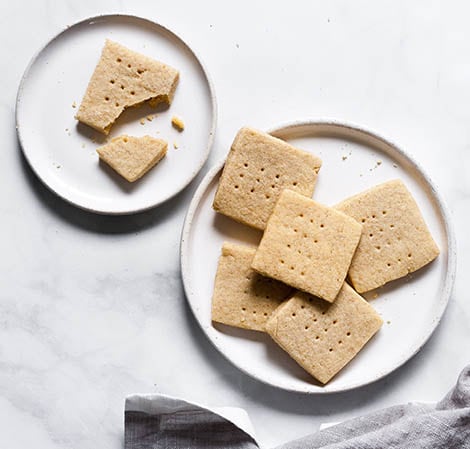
pixel 155 423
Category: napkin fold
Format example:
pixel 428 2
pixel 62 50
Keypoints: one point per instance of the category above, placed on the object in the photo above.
pixel 162 422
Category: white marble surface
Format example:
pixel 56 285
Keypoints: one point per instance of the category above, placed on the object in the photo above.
pixel 92 308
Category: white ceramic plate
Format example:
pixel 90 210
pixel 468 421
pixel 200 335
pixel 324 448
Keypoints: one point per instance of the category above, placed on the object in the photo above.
pixel 62 152
pixel 353 160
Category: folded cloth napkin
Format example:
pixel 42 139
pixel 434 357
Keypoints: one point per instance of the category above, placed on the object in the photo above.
pixel 160 422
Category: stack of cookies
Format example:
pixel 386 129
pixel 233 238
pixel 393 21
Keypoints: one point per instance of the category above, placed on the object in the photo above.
pixel 293 285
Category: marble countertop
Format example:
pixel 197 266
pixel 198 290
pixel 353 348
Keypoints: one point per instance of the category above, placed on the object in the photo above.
pixel 92 307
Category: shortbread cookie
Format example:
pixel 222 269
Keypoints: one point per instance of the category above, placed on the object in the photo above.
pixel 242 297
pixel 307 245
pixel 395 239
pixel 132 157
pixel 322 337
pixel 124 78
pixel 258 168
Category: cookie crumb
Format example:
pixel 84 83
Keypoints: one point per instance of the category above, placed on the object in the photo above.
pixel 74 105
pixel 150 117
pixel 344 158
pixel 389 322
pixel 175 145
pixel 177 123
pixel 142 121
pixel 379 162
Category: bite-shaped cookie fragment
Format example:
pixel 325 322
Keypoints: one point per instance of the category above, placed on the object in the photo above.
pixel 395 239
pixel 258 168
pixel 307 245
pixel 124 78
pixel 323 337
pixel 242 297
pixel 132 157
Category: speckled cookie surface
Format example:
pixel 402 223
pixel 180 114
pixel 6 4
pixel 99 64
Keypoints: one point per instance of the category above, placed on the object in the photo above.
pixel 132 157
pixel 307 245
pixel 258 168
pixel 395 239
pixel 242 297
pixel 323 337
pixel 124 78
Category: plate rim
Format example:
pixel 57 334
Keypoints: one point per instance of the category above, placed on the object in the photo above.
pixel 451 252
pixel 213 102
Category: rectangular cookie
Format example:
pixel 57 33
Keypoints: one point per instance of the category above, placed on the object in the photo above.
pixel 395 239
pixel 307 245
pixel 322 337
pixel 124 78
pixel 258 168
pixel 242 297
pixel 132 157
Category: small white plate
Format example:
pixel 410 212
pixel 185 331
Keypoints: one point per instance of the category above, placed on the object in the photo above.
pixel 353 160
pixel 62 152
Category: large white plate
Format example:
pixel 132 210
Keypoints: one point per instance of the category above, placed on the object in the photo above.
pixel 353 159
pixel 62 152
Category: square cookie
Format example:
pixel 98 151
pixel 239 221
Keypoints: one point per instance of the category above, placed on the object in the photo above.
pixel 395 239
pixel 132 157
pixel 124 78
pixel 242 297
pixel 307 245
pixel 322 337
pixel 258 168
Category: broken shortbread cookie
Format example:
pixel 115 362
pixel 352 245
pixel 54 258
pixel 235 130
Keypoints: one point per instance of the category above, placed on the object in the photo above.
pixel 132 157
pixel 124 78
